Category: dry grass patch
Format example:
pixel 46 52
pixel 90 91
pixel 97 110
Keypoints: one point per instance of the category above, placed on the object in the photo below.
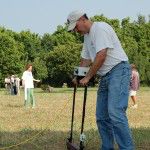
pixel 47 126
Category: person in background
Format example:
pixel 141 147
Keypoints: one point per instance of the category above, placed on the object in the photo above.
pixel 15 86
pixel 134 85
pixel 102 47
pixel 12 82
pixel 27 82
pixel 17 79
pixel 8 84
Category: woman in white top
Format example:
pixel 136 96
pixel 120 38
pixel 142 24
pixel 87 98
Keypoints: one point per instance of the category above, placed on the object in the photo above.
pixel 27 82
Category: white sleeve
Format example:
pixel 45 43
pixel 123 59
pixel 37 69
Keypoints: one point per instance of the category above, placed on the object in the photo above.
pixel 84 52
pixel 102 40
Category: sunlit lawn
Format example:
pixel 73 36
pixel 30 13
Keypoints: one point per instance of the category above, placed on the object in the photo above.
pixel 47 126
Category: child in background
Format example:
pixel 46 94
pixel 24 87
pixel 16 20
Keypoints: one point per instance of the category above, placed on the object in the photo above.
pixel 134 86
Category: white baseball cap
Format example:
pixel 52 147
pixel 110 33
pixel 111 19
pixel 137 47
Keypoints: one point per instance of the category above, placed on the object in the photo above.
pixel 72 19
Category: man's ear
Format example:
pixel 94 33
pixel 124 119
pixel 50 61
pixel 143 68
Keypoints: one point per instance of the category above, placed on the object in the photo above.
pixel 84 19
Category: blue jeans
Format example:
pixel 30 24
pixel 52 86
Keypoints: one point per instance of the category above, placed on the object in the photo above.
pixel 112 102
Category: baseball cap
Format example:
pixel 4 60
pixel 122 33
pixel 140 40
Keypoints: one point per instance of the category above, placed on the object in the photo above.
pixel 72 19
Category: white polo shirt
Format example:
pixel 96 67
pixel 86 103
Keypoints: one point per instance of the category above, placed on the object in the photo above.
pixel 102 36
pixel 28 79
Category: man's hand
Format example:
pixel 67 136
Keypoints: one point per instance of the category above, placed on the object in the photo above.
pixel 84 81
pixel 75 82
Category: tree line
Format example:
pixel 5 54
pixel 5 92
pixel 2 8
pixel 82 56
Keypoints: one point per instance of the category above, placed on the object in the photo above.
pixel 54 55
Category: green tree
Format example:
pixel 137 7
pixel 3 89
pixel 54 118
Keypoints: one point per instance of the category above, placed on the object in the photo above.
pixel 11 54
pixel 32 45
pixel 40 68
pixel 61 62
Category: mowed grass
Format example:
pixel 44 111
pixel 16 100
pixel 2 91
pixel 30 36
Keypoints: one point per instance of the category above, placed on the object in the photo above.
pixel 47 126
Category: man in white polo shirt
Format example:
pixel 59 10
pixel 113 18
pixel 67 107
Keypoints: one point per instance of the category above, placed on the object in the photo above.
pixel 103 51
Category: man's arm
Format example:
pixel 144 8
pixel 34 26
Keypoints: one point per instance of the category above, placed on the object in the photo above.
pixel 85 62
pixel 98 62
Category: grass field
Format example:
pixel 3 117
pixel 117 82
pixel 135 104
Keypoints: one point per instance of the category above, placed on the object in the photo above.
pixel 47 126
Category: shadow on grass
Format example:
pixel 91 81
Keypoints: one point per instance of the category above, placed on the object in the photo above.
pixel 28 139
pixel 14 106
pixel 65 90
